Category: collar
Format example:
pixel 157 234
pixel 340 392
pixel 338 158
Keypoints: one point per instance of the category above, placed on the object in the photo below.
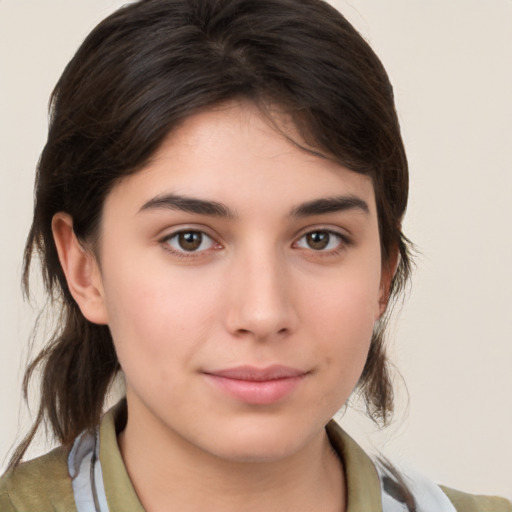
pixel 363 485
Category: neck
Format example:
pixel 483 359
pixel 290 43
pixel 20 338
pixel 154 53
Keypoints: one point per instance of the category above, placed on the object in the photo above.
pixel 170 474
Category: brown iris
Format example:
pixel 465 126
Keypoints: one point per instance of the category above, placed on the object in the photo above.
pixel 318 240
pixel 190 240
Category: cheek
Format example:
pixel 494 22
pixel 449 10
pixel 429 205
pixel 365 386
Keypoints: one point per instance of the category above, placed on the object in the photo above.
pixel 341 318
pixel 157 317
pixel 345 305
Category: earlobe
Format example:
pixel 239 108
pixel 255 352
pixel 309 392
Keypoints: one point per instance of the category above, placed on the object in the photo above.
pixel 383 300
pixel 388 273
pixel 81 270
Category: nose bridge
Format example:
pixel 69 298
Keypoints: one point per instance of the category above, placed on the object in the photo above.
pixel 259 298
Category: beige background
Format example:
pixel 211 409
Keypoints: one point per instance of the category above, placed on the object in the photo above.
pixel 451 64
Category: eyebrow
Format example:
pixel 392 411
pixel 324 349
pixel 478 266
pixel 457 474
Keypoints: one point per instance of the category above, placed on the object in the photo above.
pixel 330 205
pixel 188 204
pixel 320 206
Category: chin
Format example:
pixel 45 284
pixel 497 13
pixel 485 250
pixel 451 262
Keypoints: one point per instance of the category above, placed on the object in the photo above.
pixel 258 442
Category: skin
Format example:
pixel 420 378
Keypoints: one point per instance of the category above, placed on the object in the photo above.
pixel 257 290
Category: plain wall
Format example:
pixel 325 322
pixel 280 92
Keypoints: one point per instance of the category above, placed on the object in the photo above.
pixel 451 64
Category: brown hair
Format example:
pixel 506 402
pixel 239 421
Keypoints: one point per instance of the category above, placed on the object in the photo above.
pixel 136 76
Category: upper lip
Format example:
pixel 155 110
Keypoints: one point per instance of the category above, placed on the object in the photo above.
pixel 255 374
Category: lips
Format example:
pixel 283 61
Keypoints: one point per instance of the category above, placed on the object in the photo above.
pixel 257 386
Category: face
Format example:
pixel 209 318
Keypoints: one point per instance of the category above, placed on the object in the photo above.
pixel 241 280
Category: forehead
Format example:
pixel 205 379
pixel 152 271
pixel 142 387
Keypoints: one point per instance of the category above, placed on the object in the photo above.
pixel 235 154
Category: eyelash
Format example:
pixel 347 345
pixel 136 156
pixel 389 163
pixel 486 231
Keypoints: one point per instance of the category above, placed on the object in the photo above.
pixel 343 243
pixel 183 253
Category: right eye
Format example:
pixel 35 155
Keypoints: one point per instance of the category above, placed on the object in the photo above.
pixel 189 241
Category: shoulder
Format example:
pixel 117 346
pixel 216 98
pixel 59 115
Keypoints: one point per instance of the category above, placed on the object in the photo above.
pixel 472 503
pixel 429 496
pixel 42 484
pixel 374 483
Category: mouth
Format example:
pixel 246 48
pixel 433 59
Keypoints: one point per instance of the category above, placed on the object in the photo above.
pixel 257 386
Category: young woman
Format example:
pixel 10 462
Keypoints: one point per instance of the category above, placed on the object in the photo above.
pixel 218 214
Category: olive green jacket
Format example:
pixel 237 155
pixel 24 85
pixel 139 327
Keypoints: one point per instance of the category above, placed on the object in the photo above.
pixel 44 484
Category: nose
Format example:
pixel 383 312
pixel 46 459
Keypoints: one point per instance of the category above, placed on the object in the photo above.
pixel 260 293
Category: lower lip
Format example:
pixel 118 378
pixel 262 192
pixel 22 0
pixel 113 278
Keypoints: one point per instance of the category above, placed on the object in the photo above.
pixel 257 392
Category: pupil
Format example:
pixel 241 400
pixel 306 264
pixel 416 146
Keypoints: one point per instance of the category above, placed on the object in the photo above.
pixel 190 241
pixel 318 240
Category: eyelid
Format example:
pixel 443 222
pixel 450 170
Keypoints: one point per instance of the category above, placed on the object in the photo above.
pixel 344 239
pixel 175 231
pixel 335 230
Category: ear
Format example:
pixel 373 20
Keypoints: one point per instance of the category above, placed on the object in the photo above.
pixel 81 270
pixel 388 272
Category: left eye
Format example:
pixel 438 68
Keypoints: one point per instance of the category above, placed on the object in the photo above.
pixel 189 241
pixel 320 240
